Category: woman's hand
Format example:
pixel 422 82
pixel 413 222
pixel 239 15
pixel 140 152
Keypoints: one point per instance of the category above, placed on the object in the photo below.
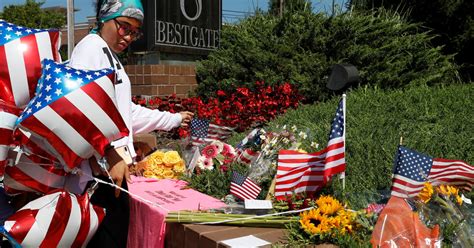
pixel 186 117
pixel 118 168
pixel 118 172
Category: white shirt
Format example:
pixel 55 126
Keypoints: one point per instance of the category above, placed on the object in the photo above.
pixel 93 53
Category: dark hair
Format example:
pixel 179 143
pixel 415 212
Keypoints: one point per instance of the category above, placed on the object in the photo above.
pixel 98 4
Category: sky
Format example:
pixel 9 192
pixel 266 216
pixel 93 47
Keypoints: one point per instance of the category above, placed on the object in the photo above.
pixel 232 10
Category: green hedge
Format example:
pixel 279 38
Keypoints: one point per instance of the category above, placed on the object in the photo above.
pixel 302 47
pixel 437 121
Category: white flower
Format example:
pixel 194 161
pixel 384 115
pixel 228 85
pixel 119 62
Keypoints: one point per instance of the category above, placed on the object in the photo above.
pixel 286 141
pixel 315 145
pixel 199 162
pixel 219 145
pixel 303 135
pixel 294 128
pixel 263 137
pixel 207 164
pixel 284 127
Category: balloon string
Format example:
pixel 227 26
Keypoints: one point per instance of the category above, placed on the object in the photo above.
pixel 112 185
pixel 128 192
pixel 10 238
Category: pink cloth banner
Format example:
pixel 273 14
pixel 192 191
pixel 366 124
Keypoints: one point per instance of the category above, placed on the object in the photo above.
pixel 147 221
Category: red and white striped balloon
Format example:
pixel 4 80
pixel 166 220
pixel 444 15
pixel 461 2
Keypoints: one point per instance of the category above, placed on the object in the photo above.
pixel 246 156
pixel 34 174
pixel 59 219
pixel 21 51
pixel 74 115
pixel 8 116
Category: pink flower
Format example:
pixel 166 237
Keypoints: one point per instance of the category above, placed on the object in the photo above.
pixel 210 151
pixel 204 163
pixel 208 164
pixel 219 145
pixel 224 168
pixel 228 151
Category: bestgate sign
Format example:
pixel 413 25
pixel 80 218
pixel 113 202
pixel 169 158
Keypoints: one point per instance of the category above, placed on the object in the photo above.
pixel 187 25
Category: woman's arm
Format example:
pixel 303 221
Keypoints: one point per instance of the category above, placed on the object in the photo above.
pixel 145 120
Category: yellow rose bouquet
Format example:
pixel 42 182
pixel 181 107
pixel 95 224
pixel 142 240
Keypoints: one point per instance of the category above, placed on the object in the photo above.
pixel 164 165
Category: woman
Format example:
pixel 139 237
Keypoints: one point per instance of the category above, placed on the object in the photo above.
pixel 118 25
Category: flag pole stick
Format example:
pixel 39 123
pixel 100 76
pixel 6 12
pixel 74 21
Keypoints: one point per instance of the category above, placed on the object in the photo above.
pixel 401 140
pixel 343 174
pixel 271 190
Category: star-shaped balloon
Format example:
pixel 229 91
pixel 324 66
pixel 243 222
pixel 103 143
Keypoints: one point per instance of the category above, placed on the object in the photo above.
pixel 33 173
pixel 21 52
pixel 74 114
pixel 8 116
pixel 58 219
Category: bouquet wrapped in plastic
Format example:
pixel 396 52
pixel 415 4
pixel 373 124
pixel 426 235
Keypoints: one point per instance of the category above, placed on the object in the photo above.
pixel 437 216
pixel 161 165
pixel 264 146
pixel 445 206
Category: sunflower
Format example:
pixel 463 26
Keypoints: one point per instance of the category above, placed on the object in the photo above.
pixel 426 193
pixel 447 190
pixel 328 205
pixel 313 222
pixel 344 220
pixel 459 200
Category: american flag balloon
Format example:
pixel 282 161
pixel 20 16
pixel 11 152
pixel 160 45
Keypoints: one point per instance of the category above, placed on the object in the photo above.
pixel 34 174
pixel 21 52
pixel 8 116
pixel 60 219
pixel 74 115
pixel 24 139
pixel 247 155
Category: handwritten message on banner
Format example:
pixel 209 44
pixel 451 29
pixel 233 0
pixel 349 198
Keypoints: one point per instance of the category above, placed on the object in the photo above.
pixel 147 222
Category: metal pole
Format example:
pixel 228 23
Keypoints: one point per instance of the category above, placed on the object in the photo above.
pixel 281 8
pixel 333 7
pixel 70 27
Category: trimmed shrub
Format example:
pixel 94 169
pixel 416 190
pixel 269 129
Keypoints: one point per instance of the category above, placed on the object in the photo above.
pixel 301 48
pixel 436 121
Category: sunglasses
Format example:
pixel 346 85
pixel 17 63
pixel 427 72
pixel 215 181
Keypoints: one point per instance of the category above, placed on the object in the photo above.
pixel 125 29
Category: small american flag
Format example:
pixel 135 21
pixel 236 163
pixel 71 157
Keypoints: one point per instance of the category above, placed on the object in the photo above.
pixel 413 169
pixel 74 114
pixel 21 52
pixel 299 172
pixel 203 132
pixel 242 187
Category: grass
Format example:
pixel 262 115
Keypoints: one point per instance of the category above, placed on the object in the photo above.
pixel 437 121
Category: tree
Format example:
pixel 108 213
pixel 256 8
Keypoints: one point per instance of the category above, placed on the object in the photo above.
pixel 32 15
pixel 302 47
pixel 451 20
pixel 275 7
